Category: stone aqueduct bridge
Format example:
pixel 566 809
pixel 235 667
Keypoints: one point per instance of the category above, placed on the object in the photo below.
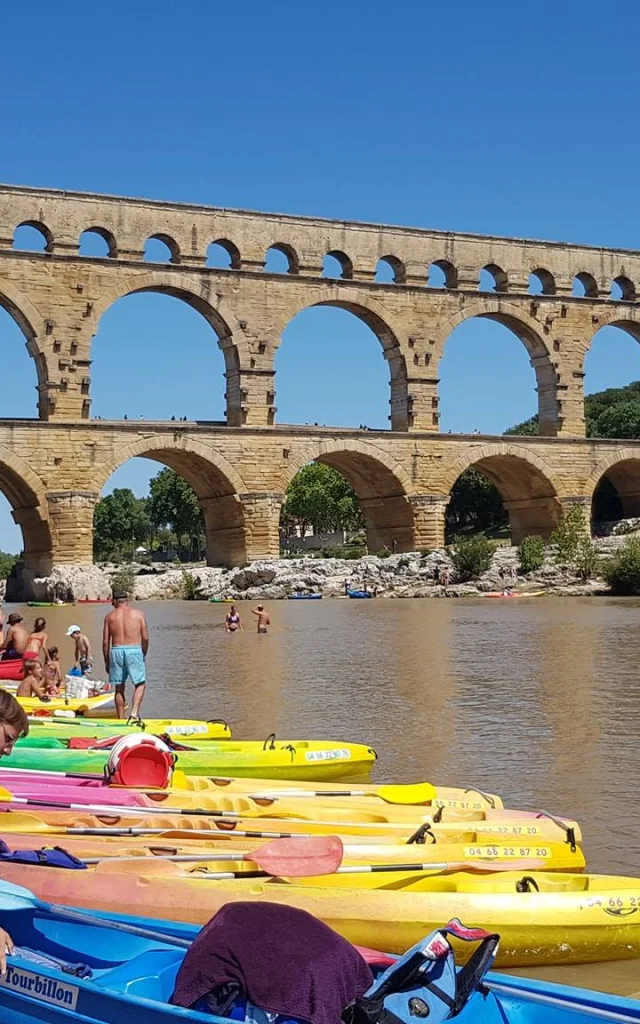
pixel 52 469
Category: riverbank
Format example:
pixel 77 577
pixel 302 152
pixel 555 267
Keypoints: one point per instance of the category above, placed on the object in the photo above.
pixel 411 575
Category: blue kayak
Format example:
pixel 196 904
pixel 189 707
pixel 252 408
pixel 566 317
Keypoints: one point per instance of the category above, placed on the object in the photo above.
pixel 362 594
pixel 75 966
pixel 304 597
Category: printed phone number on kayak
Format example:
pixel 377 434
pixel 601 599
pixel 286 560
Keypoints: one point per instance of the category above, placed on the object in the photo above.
pixel 541 852
pixel 327 755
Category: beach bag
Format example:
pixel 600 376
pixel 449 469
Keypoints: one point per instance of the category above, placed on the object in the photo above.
pixel 424 982
pixel 141 761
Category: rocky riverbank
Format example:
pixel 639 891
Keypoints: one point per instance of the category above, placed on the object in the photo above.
pixel 398 576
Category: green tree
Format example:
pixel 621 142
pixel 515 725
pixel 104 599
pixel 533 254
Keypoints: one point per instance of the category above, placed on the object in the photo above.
pixel 619 420
pixel 472 557
pixel 7 563
pixel 475 504
pixel 527 428
pixel 319 497
pixel 172 503
pixel 568 535
pixel 622 571
pixel 531 553
pixel 120 522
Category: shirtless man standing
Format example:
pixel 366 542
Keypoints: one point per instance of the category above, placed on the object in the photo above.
pixel 125 642
pixel 262 617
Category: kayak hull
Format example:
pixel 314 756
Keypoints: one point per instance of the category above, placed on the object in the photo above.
pixel 300 759
pixel 81 705
pixel 176 728
pixel 569 921
pixel 133 977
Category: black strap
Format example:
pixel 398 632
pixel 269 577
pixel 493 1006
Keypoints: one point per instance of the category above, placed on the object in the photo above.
pixel 469 976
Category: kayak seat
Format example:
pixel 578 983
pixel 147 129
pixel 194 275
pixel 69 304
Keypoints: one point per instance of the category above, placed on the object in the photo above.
pixel 150 975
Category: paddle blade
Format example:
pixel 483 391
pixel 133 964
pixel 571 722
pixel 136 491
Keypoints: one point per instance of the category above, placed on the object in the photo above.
pixel 420 793
pixel 300 856
pixel 16 821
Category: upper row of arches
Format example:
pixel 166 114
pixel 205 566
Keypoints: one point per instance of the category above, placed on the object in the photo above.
pixel 281 258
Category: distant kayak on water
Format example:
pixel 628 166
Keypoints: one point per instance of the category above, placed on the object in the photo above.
pixel 530 593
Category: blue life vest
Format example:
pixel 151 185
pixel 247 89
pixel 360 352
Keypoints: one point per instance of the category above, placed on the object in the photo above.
pixel 424 982
pixel 48 856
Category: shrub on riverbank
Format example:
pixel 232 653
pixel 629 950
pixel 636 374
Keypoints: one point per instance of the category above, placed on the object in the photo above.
pixel 531 553
pixel 124 579
pixel 622 571
pixel 471 558
pixel 569 533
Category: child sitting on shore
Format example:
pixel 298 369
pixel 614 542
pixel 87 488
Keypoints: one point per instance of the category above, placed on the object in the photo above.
pixel 33 683
pixel 52 673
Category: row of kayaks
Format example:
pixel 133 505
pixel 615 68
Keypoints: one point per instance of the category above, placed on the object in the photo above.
pixel 381 865
pixel 404 868
pixel 108 968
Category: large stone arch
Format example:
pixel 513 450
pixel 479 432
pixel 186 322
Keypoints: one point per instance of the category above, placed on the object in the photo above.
pixel 627 319
pixel 383 488
pixel 26 493
pixel 528 330
pixel 218 486
pixel 622 469
pixel 31 323
pixel 197 293
pixel 529 488
pixel 375 316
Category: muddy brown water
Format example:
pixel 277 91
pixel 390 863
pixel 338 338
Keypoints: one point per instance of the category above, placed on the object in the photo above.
pixel 538 700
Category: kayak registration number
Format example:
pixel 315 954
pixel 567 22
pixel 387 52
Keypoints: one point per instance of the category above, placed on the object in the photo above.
pixel 538 852
pixel 187 730
pixel 512 830
pixel 328 755
pixel 462 805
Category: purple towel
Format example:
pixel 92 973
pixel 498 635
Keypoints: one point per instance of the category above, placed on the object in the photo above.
pixel 284 960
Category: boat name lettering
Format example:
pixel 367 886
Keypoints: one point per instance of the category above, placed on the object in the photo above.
pixel 186 730
pixel 327 755
pixel 541 852
pixel 48 990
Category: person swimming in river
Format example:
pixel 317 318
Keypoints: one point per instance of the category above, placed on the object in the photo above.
pixel 232 622
pixel 262 617
pixel 33 684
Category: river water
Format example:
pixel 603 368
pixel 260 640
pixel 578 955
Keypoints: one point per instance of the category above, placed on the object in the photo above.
pixel 538 700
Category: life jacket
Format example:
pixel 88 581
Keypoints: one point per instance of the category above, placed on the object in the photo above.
pixel 424 982
pixel 140 760
pixel 47 856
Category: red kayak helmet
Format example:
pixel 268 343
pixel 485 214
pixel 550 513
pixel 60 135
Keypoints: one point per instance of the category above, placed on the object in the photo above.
pixel 141 761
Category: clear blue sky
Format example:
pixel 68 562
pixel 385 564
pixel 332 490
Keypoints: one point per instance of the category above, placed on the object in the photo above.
pixel 509 118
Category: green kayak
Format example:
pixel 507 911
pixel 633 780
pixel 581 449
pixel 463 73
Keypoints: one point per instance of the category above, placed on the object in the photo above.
pixel 280 759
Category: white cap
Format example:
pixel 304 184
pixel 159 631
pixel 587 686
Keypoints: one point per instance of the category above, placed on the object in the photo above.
pixel 73 629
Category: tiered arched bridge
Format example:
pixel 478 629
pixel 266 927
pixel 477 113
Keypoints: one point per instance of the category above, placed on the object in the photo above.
pixel 53 469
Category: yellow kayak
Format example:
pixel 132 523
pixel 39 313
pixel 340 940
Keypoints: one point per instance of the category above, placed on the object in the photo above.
pixel 179 729
pixel 447 797
pixel 553 856
pixel 542 918
pixel 244 819
pixel 80 705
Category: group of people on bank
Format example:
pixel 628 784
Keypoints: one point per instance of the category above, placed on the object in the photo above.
pixel 125 642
